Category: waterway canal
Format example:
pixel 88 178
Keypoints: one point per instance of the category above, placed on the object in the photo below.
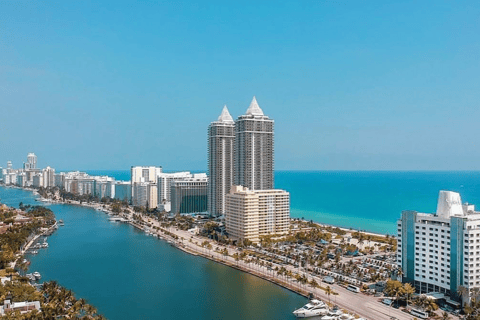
pixel 128 275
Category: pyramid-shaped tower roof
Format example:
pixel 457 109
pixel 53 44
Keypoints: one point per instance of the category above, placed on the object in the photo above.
pixel 225 116
pixel 254 108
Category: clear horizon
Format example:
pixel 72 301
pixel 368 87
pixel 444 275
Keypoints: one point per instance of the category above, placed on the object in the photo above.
pixel 351 86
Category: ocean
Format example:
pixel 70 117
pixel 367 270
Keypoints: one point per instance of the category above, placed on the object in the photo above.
pixel 364 200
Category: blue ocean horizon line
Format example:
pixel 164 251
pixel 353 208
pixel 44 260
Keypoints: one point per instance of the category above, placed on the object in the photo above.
pixel 366 200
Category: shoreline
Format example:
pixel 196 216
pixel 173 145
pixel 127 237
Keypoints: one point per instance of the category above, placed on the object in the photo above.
pixel 321 224
pixel 196 250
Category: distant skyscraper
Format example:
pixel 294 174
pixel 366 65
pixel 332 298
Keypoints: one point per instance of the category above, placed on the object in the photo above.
pixel 221 136
pixel 253 162
pixel 31 161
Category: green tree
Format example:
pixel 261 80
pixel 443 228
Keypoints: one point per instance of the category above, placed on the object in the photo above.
pixel 328 291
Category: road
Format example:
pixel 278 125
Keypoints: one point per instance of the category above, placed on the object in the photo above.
pixel 358 303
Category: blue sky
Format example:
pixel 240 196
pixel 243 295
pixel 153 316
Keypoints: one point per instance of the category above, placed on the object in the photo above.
pixel 351 85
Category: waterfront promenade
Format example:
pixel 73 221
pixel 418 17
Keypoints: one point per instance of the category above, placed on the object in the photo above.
pixel 356 303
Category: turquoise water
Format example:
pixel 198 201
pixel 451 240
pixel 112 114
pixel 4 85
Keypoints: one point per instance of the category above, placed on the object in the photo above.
pixel 366 200
pixel 128 275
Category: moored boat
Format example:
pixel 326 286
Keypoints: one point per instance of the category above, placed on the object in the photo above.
pixel 314 308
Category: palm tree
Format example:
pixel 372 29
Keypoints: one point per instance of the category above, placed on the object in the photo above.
pixel 462 291
pixel 328 291
pixel 430 305
pixel 445 316
pixel 407 290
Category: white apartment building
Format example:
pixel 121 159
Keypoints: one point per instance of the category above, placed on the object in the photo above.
pixel 48 177
pixel 221 139
pixel 22 179
pixel 254 149
pixel 254 213
pixel 37 181
pixel 145 174
pixel 140 194
pixel 164 184
pixel 438 252
pixel 141 175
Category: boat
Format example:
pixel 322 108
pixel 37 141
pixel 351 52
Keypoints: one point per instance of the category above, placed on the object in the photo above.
pixel 34 251
pixel 37 275
pixel 314 308
pixel 60 222
pixel 30 277
pixel 335 313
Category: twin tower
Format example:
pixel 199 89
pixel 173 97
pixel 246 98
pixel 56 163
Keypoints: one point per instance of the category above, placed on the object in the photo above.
pixel 239 153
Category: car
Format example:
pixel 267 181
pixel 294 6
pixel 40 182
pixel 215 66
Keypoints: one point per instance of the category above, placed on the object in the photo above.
pixel 386 301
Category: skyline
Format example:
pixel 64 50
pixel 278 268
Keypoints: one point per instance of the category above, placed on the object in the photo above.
pixel 350 86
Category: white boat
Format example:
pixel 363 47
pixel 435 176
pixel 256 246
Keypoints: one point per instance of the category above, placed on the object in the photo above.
pixel 314 308
pixel 37 275
pixel 336 314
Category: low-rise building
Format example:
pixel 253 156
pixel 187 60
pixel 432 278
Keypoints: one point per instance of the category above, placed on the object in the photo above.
pixel 23 307
pixel 189 195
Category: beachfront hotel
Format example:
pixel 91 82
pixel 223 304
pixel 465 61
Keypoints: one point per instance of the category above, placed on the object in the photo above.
pixel 221 137
pixel 439 252
pixel 189 195
pixel 253 153
pixel 254 213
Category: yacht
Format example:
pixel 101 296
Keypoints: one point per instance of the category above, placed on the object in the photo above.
pixel 60 222
pixel 314 308
pixel 335 313
pixel 37 275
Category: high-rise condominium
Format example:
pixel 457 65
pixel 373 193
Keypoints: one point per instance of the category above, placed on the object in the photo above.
pixel 31 161
pixel 253 154
pixel 221 135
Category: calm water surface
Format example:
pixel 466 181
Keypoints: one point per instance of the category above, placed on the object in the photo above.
pixel 128 275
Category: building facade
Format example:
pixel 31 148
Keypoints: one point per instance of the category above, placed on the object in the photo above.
pixel 149 175
pixel 164 182
pixel 254 149
pixel 31 162
pixel 48 177
pixel 189 195
pixel 440 252
pixel 123 191
pixel 221 137
pixel 254 213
